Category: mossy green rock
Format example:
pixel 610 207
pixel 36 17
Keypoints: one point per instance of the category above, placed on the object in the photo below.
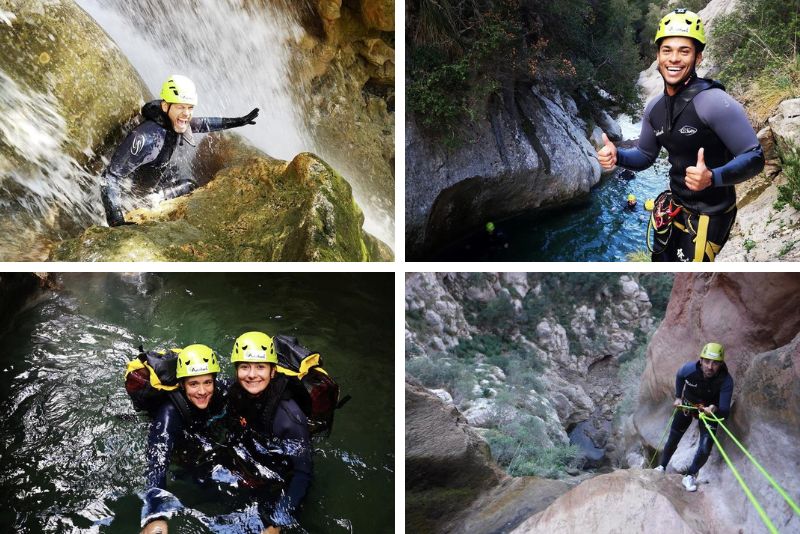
pixel 254 209
pixel 55 48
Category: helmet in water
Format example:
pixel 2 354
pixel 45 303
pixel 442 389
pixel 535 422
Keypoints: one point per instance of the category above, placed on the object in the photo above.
pixel 490 227
pixel 254 347
pixel 713 351
pixel 631 198
pixel 179 90
pixel 649 204
pixel 196 360
pixel 682 23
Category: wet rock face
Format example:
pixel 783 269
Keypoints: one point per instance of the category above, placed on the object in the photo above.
pixel 525 154
pixel 452 484
pixel 447 463
pixel 756 316
pixel 255 209
pixel 629 501
pixel 56 48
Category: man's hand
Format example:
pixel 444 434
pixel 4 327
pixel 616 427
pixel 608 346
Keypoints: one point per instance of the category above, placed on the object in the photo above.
pixel 250 118
pixel 607 156
pixel 709 410
pixel 159 526
pixel 271 530
pixel 677 403
pixel 699 177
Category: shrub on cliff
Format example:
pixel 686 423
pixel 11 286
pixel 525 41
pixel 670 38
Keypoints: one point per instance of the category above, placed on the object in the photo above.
pixel 460 53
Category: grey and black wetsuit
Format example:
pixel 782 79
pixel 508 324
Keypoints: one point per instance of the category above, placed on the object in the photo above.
pixel 179 428
pixel 153 153
pixel 700 115
pixel 269 435
pixel 692 386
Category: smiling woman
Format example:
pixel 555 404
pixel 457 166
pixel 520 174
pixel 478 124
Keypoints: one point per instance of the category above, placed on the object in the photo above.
pixel 78 460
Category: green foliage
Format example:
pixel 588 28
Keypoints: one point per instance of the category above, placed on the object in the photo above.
pixel 487 344
pixel 461 53
pixel 445 373
pixel 758 37
pixel 497 314
pixel 789 193
pixel 658 287
pixel 788 247
pixel 749 245
pixel 520 446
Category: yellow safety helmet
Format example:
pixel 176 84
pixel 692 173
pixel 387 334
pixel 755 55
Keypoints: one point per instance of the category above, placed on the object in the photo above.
pixel 254 347
pixel 196 360
pixel 681 23
pixel 713 351
pixel 631 198
pixel 179 90
pixel 649 204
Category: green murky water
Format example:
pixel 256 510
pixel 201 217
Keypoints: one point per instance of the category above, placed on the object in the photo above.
pixel 72 452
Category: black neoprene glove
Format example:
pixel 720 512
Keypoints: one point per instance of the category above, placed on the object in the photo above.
pixel 235 122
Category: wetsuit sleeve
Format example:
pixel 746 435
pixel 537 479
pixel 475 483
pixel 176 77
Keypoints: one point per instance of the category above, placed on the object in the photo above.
pixel 213 124
pixel 291 426
pixel 725 395
pixel 164 431
pixel 136 150
pixel 645 153
pixel 727 118
pixel 680 378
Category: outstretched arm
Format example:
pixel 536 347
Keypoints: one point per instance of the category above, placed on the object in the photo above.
pixel 165 428
pixel 213 124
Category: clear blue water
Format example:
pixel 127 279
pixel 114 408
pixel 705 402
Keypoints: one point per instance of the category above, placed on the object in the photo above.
pixel 72 447
pixel 596 228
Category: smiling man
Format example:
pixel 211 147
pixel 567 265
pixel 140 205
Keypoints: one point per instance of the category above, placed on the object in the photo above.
pixel 707 385
pixel 156 154
pixel 709 141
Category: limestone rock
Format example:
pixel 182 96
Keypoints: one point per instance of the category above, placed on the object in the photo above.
pixel 741 311
pixel 629 501
pixel 524 154
pixel 255 209
pixel 378 14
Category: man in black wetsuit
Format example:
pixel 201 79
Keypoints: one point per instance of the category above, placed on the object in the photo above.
pixel 153 151
pixel 707 385
pixel 710 143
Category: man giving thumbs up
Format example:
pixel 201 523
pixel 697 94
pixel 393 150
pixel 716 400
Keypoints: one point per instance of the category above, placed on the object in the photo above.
pixel 709 141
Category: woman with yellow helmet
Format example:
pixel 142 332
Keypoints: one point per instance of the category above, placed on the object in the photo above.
pixel 267 427
pixel 185 422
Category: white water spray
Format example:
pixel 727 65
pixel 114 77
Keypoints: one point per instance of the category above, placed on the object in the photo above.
pixel 42 188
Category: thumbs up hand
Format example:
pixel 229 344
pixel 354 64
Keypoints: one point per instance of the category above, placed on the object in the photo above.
pixel 699 176
pixel 607 156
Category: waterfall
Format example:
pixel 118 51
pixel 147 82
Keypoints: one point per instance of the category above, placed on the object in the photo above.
pixel 44 192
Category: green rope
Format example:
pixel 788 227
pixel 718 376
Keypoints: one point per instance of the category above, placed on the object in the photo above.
pixel 669 423
pixel 763 471
pixel 736 474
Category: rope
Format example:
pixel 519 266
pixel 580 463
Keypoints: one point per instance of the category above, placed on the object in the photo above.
pixel 669 423
pixel 714 419
pixel 736 474
pixel 763 471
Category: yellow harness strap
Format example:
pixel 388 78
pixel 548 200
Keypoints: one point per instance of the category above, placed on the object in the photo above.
pixel 701 239
pixel 312 360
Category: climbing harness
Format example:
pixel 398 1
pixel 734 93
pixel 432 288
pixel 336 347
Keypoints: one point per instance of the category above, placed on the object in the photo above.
pixel 660 224
pixel 706 419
